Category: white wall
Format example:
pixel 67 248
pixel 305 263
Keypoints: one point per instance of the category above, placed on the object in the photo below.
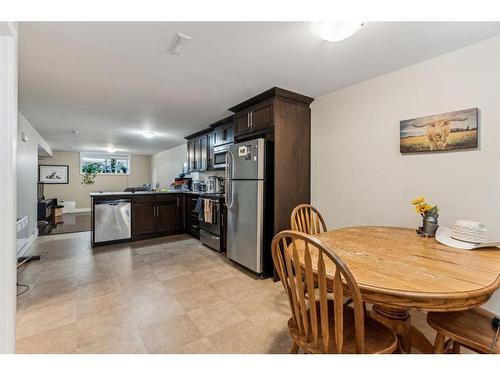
pixel 140 173
pixel 8 130
pixel 167 165
pixel 27 171
pixel 360 178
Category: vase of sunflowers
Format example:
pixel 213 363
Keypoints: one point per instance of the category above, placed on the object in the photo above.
pixel 429 215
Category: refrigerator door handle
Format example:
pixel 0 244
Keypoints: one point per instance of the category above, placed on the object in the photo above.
pixel 229 195
pixel 229 176
pixel 226 170
pixel 229 165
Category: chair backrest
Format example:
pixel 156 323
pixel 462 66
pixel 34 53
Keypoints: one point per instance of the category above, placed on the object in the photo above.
pixel 307 219
pixel 302 263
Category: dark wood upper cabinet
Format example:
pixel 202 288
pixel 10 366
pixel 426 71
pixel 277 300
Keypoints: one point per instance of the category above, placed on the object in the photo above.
pixel 203 153
pixel 258 114
pixel 223 134
pixel 190 155
pixel 210 152
pixel 197 154
pixel 241 123
pixel 262 115
pixel 253 119
pixel 197 151
pixel 200 146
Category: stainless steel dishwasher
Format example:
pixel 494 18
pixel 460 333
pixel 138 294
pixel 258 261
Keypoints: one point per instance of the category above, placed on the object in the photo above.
pixel 112 220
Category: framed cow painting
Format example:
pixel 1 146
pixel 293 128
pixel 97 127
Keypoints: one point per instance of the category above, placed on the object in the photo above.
pixel 446 131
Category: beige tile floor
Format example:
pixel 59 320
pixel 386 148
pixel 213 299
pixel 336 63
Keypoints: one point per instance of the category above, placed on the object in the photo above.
pixel 168 295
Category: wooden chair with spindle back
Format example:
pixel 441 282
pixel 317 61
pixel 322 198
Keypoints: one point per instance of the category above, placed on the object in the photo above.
pixel 472 329
pixel 320 324
pixel 307 219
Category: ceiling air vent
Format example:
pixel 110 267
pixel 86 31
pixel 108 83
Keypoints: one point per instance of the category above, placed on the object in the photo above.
pixel 178 43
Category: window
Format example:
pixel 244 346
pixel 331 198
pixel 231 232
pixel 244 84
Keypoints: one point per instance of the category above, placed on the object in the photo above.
pixel 105 163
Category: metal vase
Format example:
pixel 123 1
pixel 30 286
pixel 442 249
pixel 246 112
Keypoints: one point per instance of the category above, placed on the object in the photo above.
pixel 430 226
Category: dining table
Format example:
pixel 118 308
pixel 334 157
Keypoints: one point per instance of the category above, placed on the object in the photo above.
pixel 398 271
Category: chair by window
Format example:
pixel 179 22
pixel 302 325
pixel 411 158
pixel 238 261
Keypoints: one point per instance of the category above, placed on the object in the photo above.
pixel 320 323
pixel 307 219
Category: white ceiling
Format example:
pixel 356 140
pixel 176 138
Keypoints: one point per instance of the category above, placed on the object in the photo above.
pixel 113 80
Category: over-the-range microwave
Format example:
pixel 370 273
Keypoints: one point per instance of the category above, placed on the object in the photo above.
pixel 219 156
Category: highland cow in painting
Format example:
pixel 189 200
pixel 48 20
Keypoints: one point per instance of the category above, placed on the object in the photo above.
pixel 447 131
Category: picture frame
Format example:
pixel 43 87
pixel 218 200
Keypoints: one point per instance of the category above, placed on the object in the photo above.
pixel 455 130
pixel 53 174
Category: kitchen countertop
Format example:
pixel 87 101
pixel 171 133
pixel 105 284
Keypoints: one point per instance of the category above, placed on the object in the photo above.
pixel 111 193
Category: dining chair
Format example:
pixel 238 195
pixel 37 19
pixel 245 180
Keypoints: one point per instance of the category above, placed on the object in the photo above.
pixel 307 219
pixel 470 328
pixel 319 323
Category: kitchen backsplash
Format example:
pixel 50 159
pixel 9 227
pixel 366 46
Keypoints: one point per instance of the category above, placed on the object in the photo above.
pixel 202 176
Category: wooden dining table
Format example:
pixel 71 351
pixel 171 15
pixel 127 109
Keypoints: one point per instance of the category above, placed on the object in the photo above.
pixel 397 271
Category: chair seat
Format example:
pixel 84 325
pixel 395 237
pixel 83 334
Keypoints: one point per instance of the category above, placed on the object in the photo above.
pixel 470 328
pixel 378 338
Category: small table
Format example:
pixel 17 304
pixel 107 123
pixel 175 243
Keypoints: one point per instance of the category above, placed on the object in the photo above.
pixel 397 271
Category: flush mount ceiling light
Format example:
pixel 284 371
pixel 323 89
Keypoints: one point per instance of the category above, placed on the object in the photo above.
pixel 110 150
pixel 335 31
pixel 178 43
pixel 148 134
pixel 76 132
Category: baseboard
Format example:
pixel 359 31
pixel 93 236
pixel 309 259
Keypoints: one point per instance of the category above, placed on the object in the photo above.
pixel 78 210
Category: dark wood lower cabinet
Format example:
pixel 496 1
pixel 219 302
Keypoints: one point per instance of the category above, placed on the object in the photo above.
pixel 170 214
pixel 157 215
pixel 192 220
pixel 143 218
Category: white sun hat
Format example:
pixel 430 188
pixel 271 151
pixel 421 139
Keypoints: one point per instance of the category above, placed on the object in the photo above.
pixel 465 234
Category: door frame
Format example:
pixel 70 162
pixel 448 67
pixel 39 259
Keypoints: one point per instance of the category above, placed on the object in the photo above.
pixel 8 209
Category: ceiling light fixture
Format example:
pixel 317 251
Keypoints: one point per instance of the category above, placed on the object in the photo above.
pixel 335 31
pixel 178 43
pixel 110 150
pixel 76 132
pixel 148 134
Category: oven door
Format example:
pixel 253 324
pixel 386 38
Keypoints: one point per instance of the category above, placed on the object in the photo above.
pixel 219 157
pixel 213 228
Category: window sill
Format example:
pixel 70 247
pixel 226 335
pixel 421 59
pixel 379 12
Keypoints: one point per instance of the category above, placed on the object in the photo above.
pixel 110 174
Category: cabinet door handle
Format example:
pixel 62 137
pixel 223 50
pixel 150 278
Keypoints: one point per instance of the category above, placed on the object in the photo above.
pixel 251 118
pixel 177 201
pixel 248 119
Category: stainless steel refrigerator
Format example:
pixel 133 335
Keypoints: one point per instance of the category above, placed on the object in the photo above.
pixel 248 186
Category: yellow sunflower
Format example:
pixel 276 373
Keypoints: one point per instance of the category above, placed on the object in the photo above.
pixel 418 200
pixel 422 208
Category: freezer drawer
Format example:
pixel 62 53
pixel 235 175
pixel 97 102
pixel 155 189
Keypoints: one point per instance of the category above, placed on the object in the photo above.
pixel 245 223
pixel 112 220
